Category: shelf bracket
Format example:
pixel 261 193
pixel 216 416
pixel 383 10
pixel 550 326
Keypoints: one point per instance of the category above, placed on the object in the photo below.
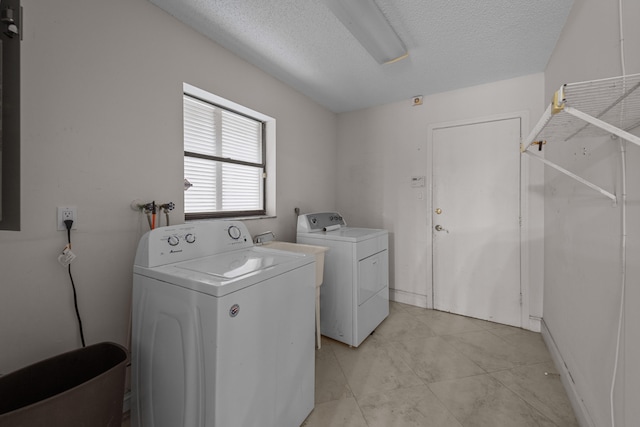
pixel 574 176
pixel 558 101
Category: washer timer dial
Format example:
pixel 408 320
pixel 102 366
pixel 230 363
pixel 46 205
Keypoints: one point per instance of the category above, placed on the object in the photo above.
pixel 173 240
pixel 234 232
pixel 190 238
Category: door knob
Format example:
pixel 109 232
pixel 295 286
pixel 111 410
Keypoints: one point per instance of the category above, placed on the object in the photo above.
pixel 439 228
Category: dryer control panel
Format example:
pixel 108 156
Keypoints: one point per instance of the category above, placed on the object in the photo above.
pixel 165 245
pixel 320 221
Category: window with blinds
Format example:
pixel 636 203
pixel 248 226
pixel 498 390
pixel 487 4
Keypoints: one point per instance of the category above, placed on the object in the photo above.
pixel 224 161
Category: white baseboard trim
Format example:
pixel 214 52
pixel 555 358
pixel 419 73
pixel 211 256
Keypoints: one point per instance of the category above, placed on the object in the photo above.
pixel 408 298
pixel 580 410
pixel 535 323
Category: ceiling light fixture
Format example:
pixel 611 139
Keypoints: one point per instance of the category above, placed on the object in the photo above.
pixel 365 20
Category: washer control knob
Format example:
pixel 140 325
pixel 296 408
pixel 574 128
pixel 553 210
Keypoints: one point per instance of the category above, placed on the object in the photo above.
pixel 190 238
pixel 173 240
pixel 234 232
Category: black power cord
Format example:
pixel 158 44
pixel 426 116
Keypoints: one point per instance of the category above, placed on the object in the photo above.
pixel 68 223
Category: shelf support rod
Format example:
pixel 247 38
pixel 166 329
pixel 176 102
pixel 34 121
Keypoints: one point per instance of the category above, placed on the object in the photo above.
pixel 536 130
pixel 574 176
pixel 603 125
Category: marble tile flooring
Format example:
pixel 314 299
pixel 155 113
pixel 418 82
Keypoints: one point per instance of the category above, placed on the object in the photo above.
pixel 428 368
pixel 425 368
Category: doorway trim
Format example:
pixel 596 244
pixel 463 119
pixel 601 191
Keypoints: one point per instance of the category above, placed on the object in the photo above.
pixel 525 228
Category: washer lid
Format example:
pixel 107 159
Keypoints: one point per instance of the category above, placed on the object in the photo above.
pixel 225 273
pixel 234 264
pixel 350 234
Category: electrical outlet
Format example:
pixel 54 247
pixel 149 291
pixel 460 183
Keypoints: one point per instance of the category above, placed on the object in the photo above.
pixel 65 213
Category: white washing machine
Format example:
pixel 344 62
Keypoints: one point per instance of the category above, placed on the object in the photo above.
pixel 354 296
pixel 223 331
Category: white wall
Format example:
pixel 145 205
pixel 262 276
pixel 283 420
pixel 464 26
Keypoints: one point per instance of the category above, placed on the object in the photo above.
pixel 102 126
pixel 381 148
pixel 582 229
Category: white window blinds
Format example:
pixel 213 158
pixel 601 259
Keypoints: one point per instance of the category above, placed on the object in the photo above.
pixel 223 161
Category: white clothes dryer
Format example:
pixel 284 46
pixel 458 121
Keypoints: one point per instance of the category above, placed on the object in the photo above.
pixel 354 296
pixel 223 331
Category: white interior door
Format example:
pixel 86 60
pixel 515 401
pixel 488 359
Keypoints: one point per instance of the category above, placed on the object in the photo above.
pixel 476 220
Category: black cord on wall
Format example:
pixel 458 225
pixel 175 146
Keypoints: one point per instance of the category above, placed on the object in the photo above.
pixel 68 223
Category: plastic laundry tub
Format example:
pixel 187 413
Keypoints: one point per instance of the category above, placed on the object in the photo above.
pixel 318 251
pixel 83 387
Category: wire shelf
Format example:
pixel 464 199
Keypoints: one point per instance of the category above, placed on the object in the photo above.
pixel 615 101
pixel 594 108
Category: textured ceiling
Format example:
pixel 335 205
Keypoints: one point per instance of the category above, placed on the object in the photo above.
pixel 452 44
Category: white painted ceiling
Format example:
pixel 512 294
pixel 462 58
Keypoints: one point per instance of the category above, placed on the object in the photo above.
pixel 452 44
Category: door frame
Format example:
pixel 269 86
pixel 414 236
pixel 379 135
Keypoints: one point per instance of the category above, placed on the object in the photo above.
pixel 523 116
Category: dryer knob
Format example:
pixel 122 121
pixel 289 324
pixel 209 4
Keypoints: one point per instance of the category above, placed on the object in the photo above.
pixel 234 232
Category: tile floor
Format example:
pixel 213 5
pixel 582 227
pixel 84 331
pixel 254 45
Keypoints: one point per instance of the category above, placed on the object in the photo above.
pixel 427 368
pixel 432 369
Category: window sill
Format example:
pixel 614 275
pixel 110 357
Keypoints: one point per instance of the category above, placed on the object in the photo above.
pixel 238 218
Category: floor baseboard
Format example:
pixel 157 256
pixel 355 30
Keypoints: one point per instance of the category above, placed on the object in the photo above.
pixel 408 298
pixel 580 410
